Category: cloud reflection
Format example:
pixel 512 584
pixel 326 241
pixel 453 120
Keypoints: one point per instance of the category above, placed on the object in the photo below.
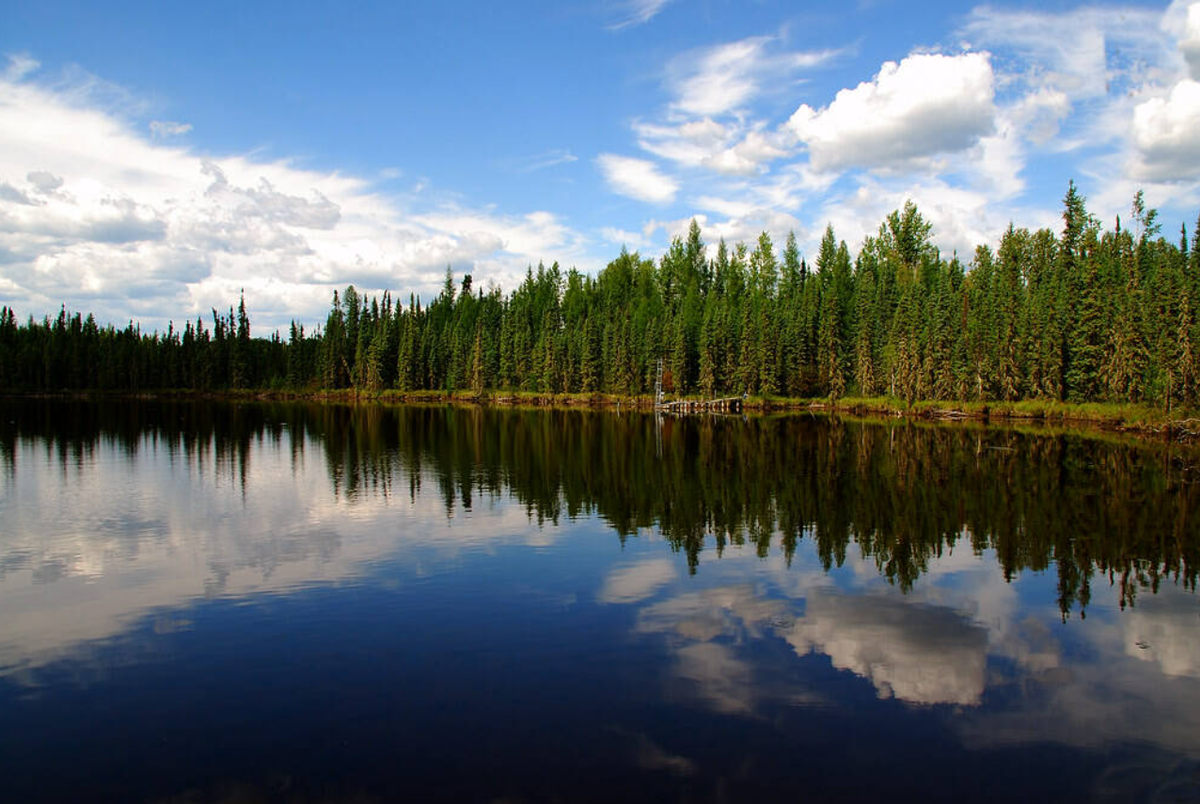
pixel 94 545
pixel 635 582
pixel 917 653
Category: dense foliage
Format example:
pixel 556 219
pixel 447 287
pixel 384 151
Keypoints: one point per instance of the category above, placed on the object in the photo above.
pixel 1088 314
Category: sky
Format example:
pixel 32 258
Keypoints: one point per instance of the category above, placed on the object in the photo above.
pixel 156 160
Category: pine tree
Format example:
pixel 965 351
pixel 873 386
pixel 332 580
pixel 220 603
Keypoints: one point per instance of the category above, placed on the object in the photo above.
pixel 1008 305
pixel 709 360
pixel 831 379
pixel 1087 334
pixel 478 377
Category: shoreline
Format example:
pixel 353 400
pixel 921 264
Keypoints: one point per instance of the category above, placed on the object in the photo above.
pixel 1138 419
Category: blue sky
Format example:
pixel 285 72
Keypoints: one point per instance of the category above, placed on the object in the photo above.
pixel 155 159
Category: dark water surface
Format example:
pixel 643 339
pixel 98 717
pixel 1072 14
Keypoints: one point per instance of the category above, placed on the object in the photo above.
pixel 239 602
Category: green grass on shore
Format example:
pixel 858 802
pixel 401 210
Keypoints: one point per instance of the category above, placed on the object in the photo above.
pixel 1121 415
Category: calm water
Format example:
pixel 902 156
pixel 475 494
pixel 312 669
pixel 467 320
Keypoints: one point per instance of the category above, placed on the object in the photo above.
pixel 238 603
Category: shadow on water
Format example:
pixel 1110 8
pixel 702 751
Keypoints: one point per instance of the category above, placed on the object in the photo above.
pixel 901 493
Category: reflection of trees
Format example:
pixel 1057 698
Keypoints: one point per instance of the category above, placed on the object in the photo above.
pixel 901 492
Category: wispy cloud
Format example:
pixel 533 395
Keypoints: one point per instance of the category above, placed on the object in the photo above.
pixel 164 129
pixel 637 12
pixel 717 80
pixel 637 178
pixel 19 66
pixel 546 159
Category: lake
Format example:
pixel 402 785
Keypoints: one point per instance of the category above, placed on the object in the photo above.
pixel 237 602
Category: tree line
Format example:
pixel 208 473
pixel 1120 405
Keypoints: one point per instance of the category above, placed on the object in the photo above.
pixel 1086 314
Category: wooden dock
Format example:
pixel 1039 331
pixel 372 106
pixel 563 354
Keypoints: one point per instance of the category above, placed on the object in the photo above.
pixel 730 404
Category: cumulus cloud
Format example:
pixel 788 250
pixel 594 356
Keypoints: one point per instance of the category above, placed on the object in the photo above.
pixel 1111 88
pixel 637 178
pixel 122 223
pixel 1189 45
pixel 927 104
pixel 1165 135
pixel 15 196
pixel 44 181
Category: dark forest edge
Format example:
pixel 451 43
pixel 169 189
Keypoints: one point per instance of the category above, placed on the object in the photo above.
pixel 1084 325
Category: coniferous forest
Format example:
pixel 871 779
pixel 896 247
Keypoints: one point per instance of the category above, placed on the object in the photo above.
pixel 1085 314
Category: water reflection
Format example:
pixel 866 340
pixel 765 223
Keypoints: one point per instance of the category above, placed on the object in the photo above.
pixel 385 580
pixel 901 494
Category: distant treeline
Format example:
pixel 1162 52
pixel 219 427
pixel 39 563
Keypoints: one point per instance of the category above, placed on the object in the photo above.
pixel 1085 315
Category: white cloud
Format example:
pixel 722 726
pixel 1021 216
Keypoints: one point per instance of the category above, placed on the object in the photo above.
pixel 720 79
pixel 962 218
pixel 729 207
pixel 1040 114
pixel 1189 44
pixel 19 66
pixel 1160 631
pixel 636 582
pixel 916 653
pixel 168 128
pixel 1166 135
pixel 714 672
pixel 43 181
pixel 1108 80
pixel 623 237
pixel 743 224
pixel 927 104
pixel 303 533
pixel 1080 52
pixel 638 12
pixel 546 159
pixel 111 220
pixel 691 143
pixel 637 178
pixel 1137 683
pixel 748 157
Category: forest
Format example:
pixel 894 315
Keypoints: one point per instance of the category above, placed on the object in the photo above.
pixel 1085 314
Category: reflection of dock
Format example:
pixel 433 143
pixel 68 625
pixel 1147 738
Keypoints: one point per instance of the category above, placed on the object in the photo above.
pixel 730 404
